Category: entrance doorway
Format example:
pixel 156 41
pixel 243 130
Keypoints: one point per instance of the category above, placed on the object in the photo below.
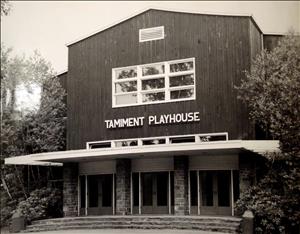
pixel 99 196
pixel 154 191
pixel 213 191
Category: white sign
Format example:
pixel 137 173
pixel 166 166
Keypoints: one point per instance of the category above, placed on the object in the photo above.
pixel 153 120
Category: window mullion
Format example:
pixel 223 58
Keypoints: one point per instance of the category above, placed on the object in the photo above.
pixel 139 84
pixel 113 88
pixel 167 81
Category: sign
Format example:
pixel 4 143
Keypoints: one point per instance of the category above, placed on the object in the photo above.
pixel 153 120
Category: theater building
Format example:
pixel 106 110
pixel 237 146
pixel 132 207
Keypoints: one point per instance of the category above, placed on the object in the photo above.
pixel 154 125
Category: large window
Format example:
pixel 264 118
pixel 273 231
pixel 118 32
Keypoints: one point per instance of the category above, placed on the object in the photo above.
pixel 154 83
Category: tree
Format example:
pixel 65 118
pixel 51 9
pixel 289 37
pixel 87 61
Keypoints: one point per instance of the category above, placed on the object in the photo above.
pixel 40 130
pixel 272 92
pixel 45 130
pixel 5 7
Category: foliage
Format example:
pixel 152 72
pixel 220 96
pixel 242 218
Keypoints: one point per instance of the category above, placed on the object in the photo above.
pixel 24 132
pixel 45 130
pixel 271 90
pixel 5 7
pixel 41 203
pixel 274 200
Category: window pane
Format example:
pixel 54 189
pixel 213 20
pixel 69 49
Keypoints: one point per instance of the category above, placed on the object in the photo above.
pixel 162 188
pixel 82 191
pixel 177 67
pixel 93 190
pixel 181 80
pixel 107 190
pixel 152 97
pixel 154 142
pixel 207 195
pixel 126 143
pixel 126 99
pixel 124 87
pixel 100 145
pixel 147 186
pixel 212 138
pixel 224 188
pixel 184 93
pixel 153 69
pixel 194 188
pixel 153 84
pixel 177 140
pixel 135 183
pixel 126 73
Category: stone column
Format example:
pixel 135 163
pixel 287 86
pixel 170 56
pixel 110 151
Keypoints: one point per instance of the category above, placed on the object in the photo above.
pixel 123 186
pixel 70 189
pixel 181 165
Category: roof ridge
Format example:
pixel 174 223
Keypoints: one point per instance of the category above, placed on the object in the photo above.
pixel 159 9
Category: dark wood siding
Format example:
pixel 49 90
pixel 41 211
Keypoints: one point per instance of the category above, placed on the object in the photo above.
pixel 222 50
pixel 271 41
pixel 63 82
pixel 256 38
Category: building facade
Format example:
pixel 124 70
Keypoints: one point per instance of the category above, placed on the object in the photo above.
pixel 154 124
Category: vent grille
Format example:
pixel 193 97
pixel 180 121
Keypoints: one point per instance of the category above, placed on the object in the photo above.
pixel 150 34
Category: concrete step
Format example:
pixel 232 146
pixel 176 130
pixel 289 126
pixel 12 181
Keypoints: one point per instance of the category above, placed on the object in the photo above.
pixel 202 228
pixel 139 218
pixel 136 222
pixel 204 223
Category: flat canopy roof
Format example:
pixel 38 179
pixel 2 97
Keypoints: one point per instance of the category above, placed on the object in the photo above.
pixel 232 146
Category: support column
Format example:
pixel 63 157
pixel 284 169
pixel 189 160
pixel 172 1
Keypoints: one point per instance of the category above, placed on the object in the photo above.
pixel 140 193
pixel 86 196
pixel 181 185
pixel 169 193
pixel 198 192
pixel 70 189
pixel 232 192
pixel 123 187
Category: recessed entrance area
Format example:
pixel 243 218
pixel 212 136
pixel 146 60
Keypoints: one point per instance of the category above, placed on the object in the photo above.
pixel 154 191
pixel 156 187
pixel 213 191
pixel 97 192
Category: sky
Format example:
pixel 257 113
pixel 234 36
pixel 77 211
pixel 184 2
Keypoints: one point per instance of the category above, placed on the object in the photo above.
pixel 47 26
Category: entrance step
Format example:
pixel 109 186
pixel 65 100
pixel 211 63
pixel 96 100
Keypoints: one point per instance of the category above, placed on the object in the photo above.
pixel 204 223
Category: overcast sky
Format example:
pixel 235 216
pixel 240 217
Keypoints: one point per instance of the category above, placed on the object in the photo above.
pixel 48 25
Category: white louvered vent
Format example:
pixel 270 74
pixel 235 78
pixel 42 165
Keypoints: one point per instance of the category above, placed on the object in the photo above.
pixel 150 34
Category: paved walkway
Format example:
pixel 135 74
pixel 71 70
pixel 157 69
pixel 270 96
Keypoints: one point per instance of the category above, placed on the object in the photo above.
pixel 121 231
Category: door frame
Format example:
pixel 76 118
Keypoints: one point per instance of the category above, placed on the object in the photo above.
pixel 85 210
pixel 218 209
pixel 168 209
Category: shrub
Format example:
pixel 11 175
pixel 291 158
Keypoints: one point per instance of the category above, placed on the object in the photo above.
pixel 42 203
pixel 274 201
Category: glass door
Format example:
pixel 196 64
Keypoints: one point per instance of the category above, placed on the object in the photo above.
pixel 215 192
pixel 155 193
pixel 100 194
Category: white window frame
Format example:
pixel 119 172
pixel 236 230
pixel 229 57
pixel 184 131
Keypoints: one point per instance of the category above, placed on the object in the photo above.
pixel 167 89
pixel 168 140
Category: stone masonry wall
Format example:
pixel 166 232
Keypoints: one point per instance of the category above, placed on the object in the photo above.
pixel 123 186
pixel 181 165
pixel 70 189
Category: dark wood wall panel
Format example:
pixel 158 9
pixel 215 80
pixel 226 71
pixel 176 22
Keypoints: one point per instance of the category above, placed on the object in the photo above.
pixel 220 45
pixel 63 82
pixel 271 41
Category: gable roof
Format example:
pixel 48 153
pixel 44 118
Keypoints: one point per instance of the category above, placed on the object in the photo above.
pixel 160 9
